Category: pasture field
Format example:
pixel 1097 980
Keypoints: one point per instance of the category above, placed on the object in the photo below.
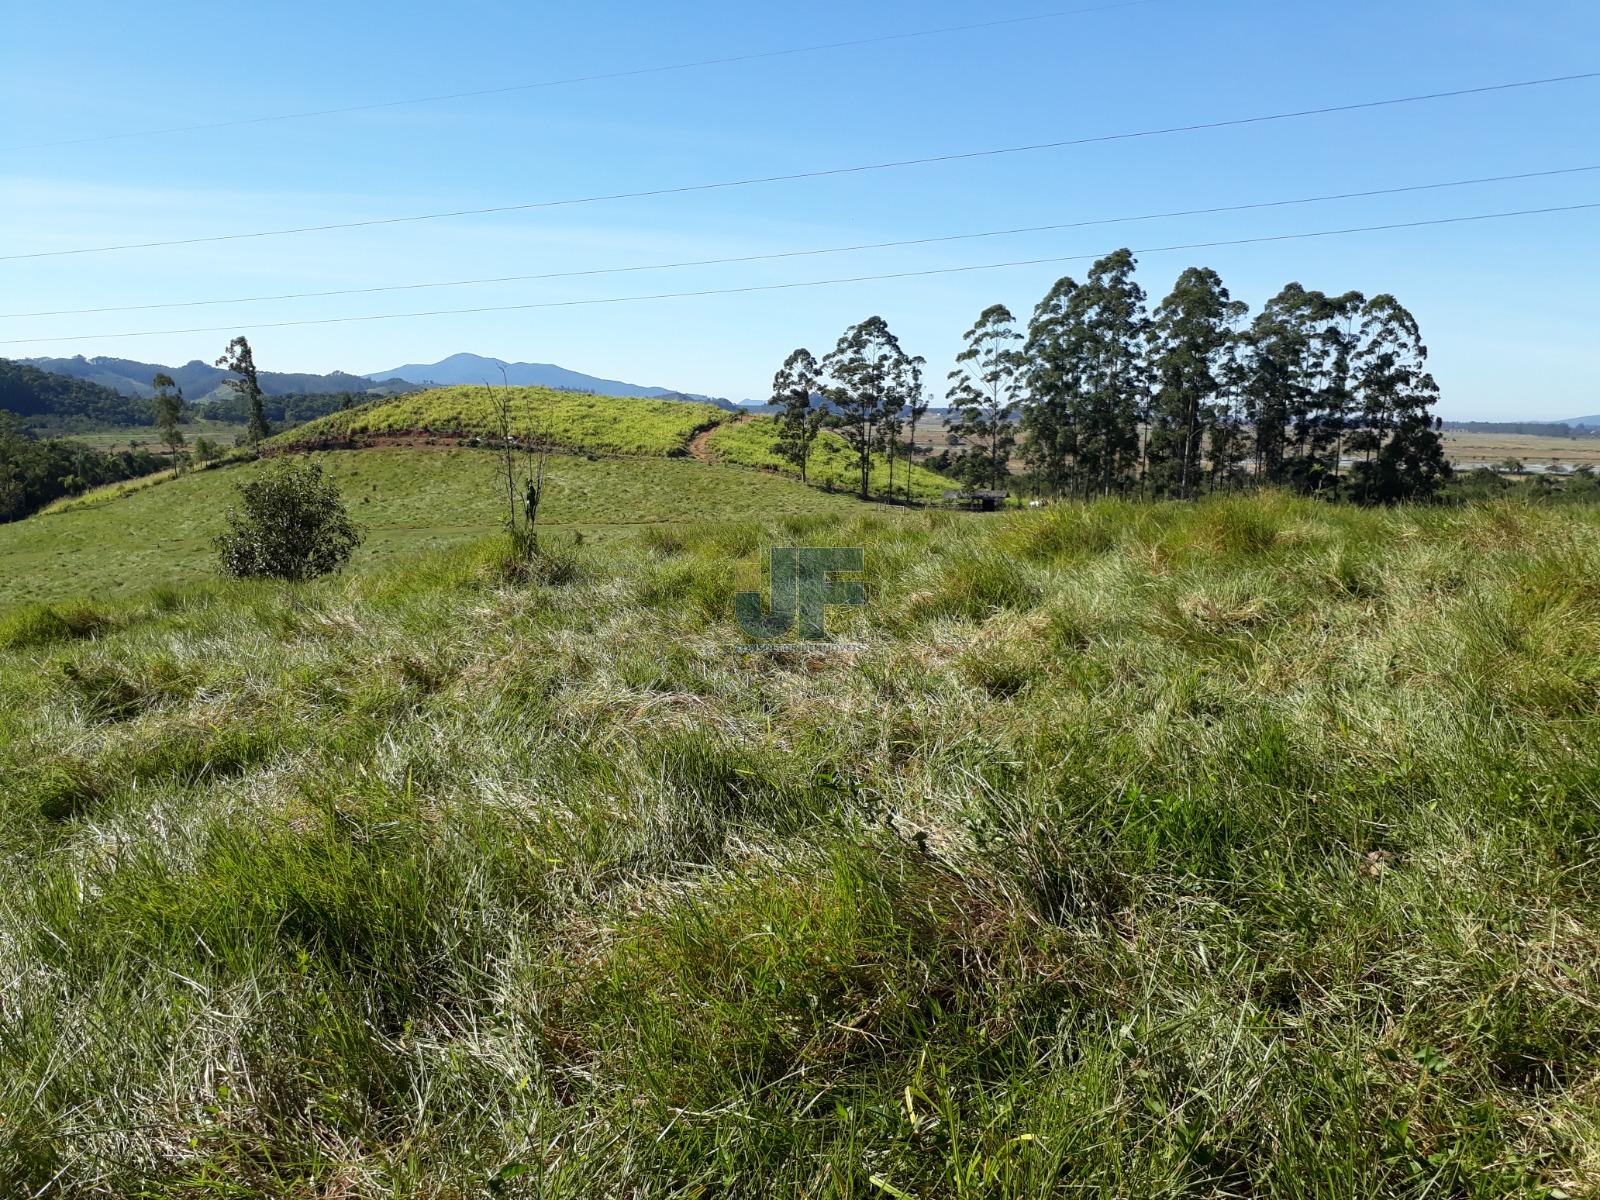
pixel 131 536
pixel 220 433
pixel 1242 848
pixel 600 424
pixel 1466 450
pixel 833 462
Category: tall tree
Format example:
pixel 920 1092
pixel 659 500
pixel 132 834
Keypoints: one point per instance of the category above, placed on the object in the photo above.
pixel 168 403
pixel 866 375
pixel 1229 436
pixel 14 439
pixel 1053 374
pixel 904 391
pixel 985 392
pixel 1404 454
pixel 799 418
pixel 1276 351
pixel 239 359
pixel 916 408
pixel 1190 337
pixel 1323 411
pixel 1109 312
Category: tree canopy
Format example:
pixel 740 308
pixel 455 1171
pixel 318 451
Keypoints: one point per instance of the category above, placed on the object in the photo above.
pixel 1327 394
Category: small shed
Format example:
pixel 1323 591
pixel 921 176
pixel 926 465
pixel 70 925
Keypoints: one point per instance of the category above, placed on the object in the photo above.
pixel 978 499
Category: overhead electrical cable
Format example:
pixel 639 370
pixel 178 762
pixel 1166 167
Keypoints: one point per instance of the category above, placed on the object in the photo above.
pixel 937 239
pixel 809 283
pixel 599 77
pixel 684 189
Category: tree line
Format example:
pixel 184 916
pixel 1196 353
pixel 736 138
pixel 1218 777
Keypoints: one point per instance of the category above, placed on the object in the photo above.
pixel 1552 429
pixel 35 472
pixel 43 398
pixel 1101 395
pixel 53 403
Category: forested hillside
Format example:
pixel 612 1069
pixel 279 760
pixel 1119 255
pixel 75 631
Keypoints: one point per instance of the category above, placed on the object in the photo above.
pixel 34 472
pixel 202 381
pixel 285 411
pixel 49 402
pixel 45 399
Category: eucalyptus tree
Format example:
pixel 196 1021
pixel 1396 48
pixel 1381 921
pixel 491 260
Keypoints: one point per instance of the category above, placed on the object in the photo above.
pixel 1325 411
pixel 905 390
pixel 1230 436
pixel 168 404
pixel 800 419
pixel 1052 378
pixel 867 374
pixel 1108 312
pixel 239 359
pixel 985 392
pixel 1399 436
pixel 1191 337
pixel 916 408
pixel 1273 378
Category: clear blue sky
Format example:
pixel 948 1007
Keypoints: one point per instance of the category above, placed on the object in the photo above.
pixel 1509 308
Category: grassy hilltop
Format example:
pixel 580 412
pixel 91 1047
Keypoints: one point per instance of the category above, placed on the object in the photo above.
pixel 574 420
pixel 1242 848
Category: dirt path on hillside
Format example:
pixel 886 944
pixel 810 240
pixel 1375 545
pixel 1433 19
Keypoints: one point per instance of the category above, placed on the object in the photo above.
pixel 700 443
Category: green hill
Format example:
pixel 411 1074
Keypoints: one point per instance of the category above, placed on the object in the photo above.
pixel 47 401
pixel 599 424
pixel 129 537
pixel 1242 848
pixel 437 489
pixel 203 382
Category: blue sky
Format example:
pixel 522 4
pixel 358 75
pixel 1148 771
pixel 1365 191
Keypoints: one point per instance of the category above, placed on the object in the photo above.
pixel 1509 308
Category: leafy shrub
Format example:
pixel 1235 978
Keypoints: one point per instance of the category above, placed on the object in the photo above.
pixel 290 523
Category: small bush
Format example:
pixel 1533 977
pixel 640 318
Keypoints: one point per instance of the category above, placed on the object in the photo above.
pixel 543 564
pixel 291 523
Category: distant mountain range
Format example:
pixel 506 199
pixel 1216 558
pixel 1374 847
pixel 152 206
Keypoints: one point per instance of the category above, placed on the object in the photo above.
pixel 201 382
pixel 1588 422
pixel 476 369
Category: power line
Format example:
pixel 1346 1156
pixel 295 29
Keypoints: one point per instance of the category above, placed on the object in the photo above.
pixel 628 73
pixel 786 254
pixel 809 283
pixel 684 189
